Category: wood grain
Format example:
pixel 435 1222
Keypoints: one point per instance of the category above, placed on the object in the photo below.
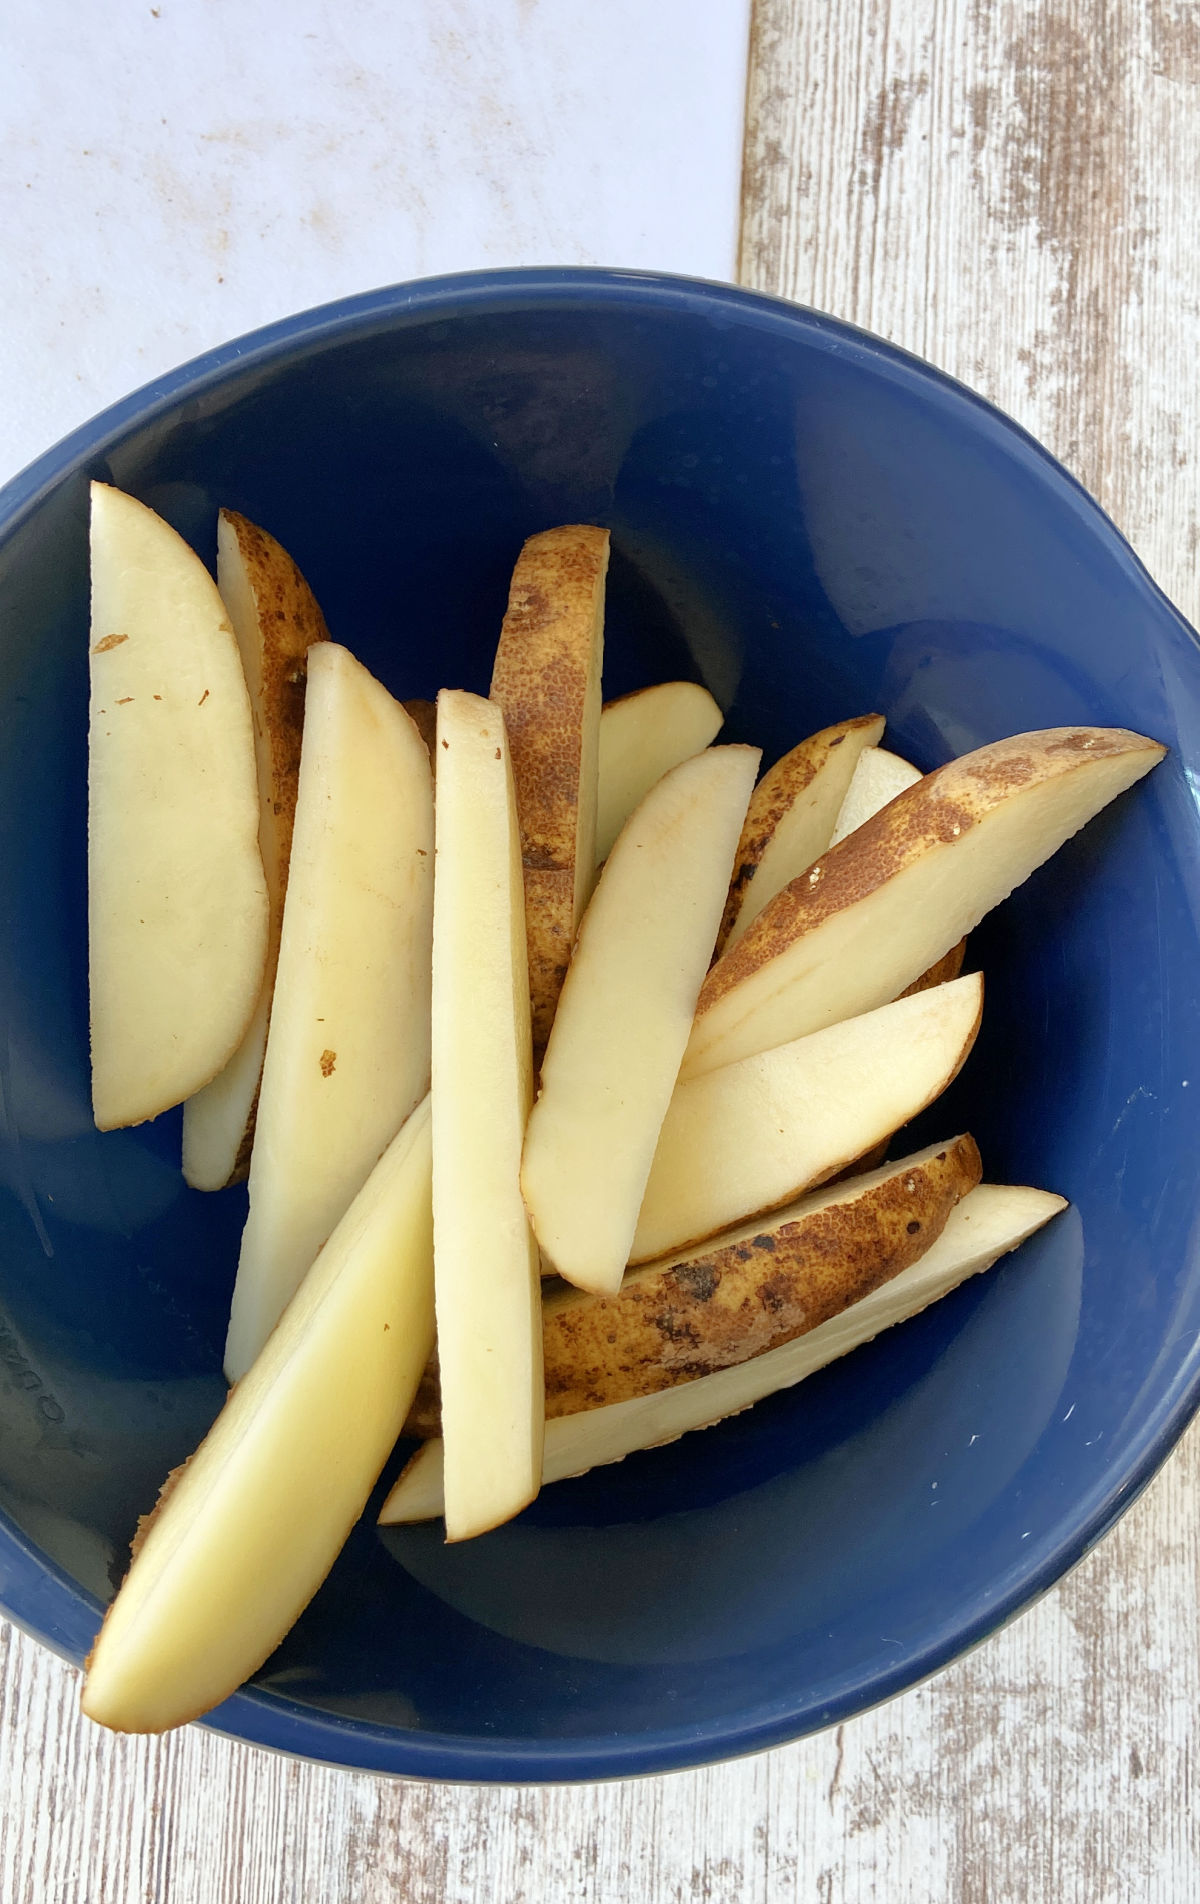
pixel 1007 187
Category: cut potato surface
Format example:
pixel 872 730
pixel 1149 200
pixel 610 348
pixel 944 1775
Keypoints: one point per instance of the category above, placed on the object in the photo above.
pixel 992 1220
pixel 348 1046
pixel 487 1272
pixel 546 677
pixel 642 736
pixel 625 1013
pixel 177 899
pixel 755 1134
pixel 245 1533
pixel 878 777
pixel 791 817
pixel 276 620
pixel 873 913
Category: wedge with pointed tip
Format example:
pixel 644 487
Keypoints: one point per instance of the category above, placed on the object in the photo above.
pixel 878 777
pixel 546 677
pixel 992 1220
pixel 791 817
pixel 177 901
pixel 348 1046
pixel 486 1265
pixel 875 912
pixel 247 1530
pixel 625 1013
pixel 755 1134
pixel 642 736
pixel 276 620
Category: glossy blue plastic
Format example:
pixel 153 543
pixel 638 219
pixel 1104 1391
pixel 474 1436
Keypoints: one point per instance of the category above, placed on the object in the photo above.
pixel 816 525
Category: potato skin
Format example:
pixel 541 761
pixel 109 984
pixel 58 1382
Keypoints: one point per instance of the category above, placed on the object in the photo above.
pixel 936 811
pixel 546 678
pixel 776 793
pixel 734 1298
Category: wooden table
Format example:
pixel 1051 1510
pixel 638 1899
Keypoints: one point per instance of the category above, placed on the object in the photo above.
pixel 1010 188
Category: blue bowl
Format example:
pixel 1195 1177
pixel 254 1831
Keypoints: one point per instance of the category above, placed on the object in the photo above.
pixel 816 525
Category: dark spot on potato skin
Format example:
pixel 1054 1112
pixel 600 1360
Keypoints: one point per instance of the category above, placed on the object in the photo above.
pixel 700 1281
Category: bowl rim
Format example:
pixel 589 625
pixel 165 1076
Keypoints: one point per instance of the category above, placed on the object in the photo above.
pixel 42 1599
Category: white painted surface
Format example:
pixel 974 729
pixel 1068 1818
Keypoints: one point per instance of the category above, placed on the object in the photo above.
pixel 172 175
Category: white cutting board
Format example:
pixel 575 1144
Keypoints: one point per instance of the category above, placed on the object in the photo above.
pixel 173 174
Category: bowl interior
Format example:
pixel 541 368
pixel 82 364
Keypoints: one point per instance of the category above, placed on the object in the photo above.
pixel 815 527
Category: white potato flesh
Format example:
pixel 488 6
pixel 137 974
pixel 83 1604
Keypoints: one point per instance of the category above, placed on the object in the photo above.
pixel 625 1013
pixel 878 910
pixel 792 815
pixel 348 1048
pixel 642 736
pixel 878 777
pixel 177 900
pixel 276 620
pixel 753 1135
pixel 489 1322
pixel 992 1220
pixel 251 1525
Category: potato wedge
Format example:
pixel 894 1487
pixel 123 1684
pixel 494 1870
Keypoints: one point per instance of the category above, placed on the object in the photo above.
pixel 756 1134
pixel 791 817
pixel 246 1531
pixel 177 900
pixel 625 1013
pixel 348 1045
pixel 992 1220
pixel 642 736
pixel 486 1265
pixel 546 678
pixel 873 913
pixel 742 1293
pixel 878 777
pixel 276 619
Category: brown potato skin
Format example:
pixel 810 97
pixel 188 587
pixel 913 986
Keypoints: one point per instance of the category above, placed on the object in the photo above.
pixel 728 1301
pixel 540 679
pixel 936 811
pixel 775 794
pixel 290 621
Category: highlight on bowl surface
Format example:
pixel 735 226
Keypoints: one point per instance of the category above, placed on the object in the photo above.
pixel 562 1052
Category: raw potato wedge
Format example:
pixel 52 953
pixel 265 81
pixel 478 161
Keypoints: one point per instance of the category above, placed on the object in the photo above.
pixel 177 901
pixel 625 1013
pixel 546 678
pixel 758 1133
pixel 873 913
pixel 276 619
pixel 992 1220
pixel 791 817
pixel 246 1531
pixel 642 736
pixel 751 1288
pixel 486 1265
pixel 348 1045
pixel 878 777
pixel 742 1293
